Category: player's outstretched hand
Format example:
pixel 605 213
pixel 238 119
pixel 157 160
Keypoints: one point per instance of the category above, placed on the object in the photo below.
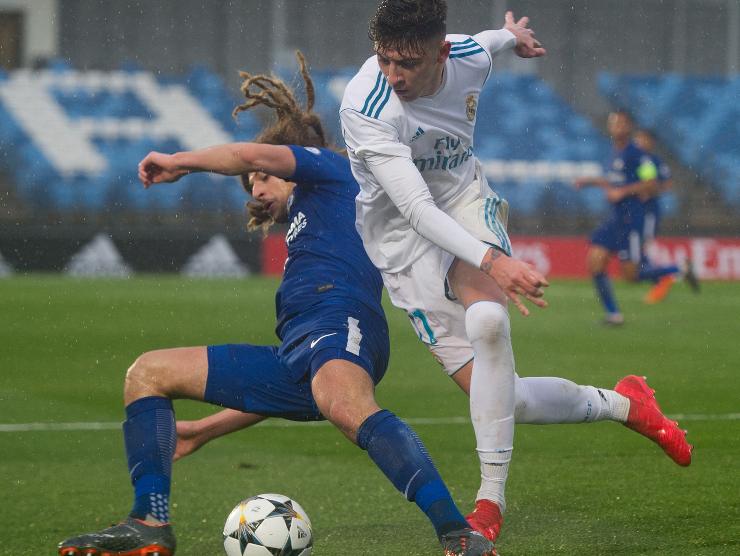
pixel 189 439
pixel 526 45
pixel 159 168
pixel 517 278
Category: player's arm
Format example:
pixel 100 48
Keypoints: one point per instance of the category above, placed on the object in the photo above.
pixel 231 159
pixel 405 186
pixel 597 181
pixel 645 187
pixel 392 167
pixel 191 435
pixel 515 34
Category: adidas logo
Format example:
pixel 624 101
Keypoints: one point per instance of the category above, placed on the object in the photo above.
pixel 216 259
pixel 419 133
pixel 5 268
pixel 98 258
pixel 301 533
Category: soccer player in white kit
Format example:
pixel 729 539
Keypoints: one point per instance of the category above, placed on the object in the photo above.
pixel 436 230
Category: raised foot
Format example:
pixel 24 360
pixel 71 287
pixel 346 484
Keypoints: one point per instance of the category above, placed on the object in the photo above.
pixel 486 518
pixel 660 291
pixel 646 417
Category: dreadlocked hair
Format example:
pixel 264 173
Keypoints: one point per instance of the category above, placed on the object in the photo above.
pixel 405 25
pixel 293 124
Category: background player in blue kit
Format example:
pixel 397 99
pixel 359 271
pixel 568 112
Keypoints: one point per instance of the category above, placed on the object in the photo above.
pixel 631 177
pixel 334 338
pixel 651 205
pixel 664 181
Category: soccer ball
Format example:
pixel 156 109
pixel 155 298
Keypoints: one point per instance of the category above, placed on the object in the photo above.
pixel 268 525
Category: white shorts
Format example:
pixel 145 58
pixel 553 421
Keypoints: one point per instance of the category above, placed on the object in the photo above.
pixel 421 290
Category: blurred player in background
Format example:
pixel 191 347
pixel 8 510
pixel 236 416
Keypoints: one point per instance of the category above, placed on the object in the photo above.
pixel 331 323
pixel 645 140
pixel 631 177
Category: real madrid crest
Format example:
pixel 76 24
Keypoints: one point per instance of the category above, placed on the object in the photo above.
pixel 470 107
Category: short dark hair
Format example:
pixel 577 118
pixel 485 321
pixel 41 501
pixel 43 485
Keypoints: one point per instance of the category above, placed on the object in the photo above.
pixel 405 25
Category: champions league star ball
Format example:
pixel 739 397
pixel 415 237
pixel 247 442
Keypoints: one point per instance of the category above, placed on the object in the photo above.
pixel 268 525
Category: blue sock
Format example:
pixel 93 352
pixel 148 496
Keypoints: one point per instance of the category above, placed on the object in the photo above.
pixel 401 456
pixel 149 435
pixel 655 273
pixel 606 295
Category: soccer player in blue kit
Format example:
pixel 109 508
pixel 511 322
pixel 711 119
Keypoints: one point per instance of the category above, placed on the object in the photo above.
pixel 645 140
pixel 631 177
pixel 334 335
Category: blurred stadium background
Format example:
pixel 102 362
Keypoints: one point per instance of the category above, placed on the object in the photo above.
pixel 88 88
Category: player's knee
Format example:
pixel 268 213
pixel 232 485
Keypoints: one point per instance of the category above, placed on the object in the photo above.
pixel 630 272
pixel 486 321
pixel 345 412
pixel 144 376
pixel 597 260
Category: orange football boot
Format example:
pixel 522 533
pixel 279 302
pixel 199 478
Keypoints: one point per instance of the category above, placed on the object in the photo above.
pixel 660 291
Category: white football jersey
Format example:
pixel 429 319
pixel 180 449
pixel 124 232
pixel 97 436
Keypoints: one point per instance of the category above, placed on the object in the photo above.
pixel 435 132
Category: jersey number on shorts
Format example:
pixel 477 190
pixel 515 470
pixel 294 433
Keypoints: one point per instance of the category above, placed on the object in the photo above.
pixel 421 325
pixel 354 336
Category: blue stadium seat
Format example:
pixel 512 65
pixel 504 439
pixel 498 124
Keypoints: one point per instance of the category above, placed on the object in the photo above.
pixel 520 118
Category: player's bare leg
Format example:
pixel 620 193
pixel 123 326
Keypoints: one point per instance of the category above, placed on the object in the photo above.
pixel 172 373
pixel 152 381
pixel 345 395
pixel 491 388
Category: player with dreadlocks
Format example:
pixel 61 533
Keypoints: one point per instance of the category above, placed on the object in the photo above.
pixel 334 337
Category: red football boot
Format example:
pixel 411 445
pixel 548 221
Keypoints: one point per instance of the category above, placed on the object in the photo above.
pixel 486 518
pixel 646 418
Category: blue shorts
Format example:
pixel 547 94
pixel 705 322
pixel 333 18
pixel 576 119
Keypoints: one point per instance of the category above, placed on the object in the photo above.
pixel 623 239
pixel 276 380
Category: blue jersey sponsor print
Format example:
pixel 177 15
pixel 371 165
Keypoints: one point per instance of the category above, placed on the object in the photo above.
pixel 326 258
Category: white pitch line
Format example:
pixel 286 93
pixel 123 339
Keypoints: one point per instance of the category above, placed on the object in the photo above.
pixel 115 425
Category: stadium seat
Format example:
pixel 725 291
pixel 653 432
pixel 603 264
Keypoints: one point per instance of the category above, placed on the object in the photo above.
pixel 524 129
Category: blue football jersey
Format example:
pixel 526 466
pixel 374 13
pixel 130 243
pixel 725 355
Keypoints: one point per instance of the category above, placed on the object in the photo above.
pixel 624 169
pixel 326 261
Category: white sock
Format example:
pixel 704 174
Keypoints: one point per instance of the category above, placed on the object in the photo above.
pixel 492 395
pixel 550 400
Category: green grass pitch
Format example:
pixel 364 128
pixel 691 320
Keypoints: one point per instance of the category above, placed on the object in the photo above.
pixel 578 490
